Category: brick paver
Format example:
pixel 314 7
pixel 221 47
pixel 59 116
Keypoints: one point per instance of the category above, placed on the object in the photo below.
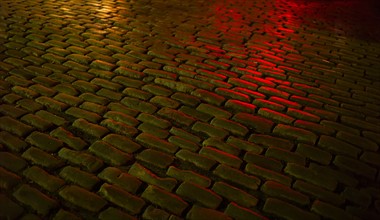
pixel 169 109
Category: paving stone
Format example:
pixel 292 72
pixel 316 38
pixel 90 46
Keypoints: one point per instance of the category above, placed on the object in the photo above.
pixel 203 85
pixel 329 211
pixel 339 127
pixel 314 127
pixel 12 162
pixel 358 197
pixel 269 141
pixel 198 194
pixel 371 158
pixel 179 71
pixel 139 105
pixel 155 213
pixel 79 177
pixel 236 176
pixel 9 209
pixel 275 116
pixel 337 146
pixel 122 198
pixel 198 160
pixel 44 141
pixel 263 161
pixel 289 157
pixel 8 179
pixel 15 127
pixel 221 145
pixel 122 108
pixel 45 180
pixel 298 134
pixel 174 85
pixel 165 102
pixel 268 174
pixel 11 98
pixel 186 99
pixel 109 154
pixel 231 126
pixel 52 104
pixel 312 176
pixel 372 136
pixel 122 143
pixel 240 213
pixel 39 157
pixel 57 120
pixel 90 128
pixel 209 130
pixel 195 113
pixel 188 176
pixel 123 180
pixel 12 111
pixel 221 156
pixel 121 117
pixel 339 175
pixel 35 199
pixel 68 138
pixel 164 199
pixel 147 118
pixel 24 92
pixel 156 158
pixel 66 88
pixel 208 97
pixel 286 210
pixel 357 141
pixel 201 213
pixel 112 213
pixel 119 127
pixel 149 177
pixel 129 72
pixel 244 145
pixel 29 105
pixel 127 82
pixel 82 159
pixel 137 93
pixel 256 123
pixel 156 143
pixel 176 116
pixel 82 198
pixel 63 214
pixel 281 191
pixel 355 166
pixel 37 122
pixel 314 153
pixel 217 112
pixel 235 194
pixel 318 192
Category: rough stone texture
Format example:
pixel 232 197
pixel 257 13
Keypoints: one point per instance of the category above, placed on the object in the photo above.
pixel 168 109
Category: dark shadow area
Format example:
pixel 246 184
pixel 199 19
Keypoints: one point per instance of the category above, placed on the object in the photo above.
pixel 356 18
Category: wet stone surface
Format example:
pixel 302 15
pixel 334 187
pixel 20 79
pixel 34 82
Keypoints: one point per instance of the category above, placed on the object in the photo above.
pixel 172 109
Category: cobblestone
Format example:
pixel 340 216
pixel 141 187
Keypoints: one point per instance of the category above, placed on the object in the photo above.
pixel 164 199
pixel 47 181
pixel 147 176
pixel 82 198
pixel 201 213
pixel 122 198
pixel 124 109
pixel 198 194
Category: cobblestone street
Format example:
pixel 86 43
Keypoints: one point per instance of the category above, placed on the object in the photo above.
pixel 198 109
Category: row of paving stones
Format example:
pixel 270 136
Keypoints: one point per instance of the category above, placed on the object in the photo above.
pixel 93 126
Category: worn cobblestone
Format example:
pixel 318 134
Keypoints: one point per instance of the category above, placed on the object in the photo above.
pixel 124 109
